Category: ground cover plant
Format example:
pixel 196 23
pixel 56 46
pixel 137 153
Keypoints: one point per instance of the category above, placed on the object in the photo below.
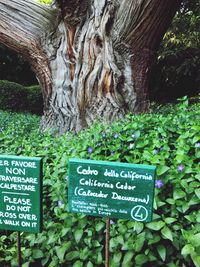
pixel 168 138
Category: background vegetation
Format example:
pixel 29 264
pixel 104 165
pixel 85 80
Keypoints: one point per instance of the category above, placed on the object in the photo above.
pixel 177 70
pixel 18 98
pixel 168 139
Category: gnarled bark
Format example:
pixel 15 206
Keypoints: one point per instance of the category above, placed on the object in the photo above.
pixel 92 58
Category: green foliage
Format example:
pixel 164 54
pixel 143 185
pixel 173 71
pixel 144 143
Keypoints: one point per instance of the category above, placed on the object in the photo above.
pixel 168 138
pixel 16 97
pixel 176 72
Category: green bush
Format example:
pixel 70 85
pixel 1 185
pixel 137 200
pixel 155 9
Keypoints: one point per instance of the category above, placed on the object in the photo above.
pixel 168 139
pixel 177 70
pixel 17 98
pixel 34 99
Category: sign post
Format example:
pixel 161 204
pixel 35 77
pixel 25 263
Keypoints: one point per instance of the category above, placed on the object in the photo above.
pixel 111 190
pixel 19 250
pixel 107 241
pixel 20 195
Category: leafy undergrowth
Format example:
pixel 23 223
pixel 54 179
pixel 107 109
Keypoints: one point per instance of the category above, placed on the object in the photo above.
pixel 169 139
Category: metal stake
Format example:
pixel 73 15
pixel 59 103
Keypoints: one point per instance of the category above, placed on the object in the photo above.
pixel 19 250
pixel 107 241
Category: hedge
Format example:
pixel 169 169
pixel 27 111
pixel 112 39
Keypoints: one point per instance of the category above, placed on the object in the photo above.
pixel 18 98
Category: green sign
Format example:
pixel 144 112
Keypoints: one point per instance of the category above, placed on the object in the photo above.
pixel 20 193
pixel 111 189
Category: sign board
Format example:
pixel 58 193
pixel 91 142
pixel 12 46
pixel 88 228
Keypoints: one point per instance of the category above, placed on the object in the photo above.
pixel 20 193
pixel 111 189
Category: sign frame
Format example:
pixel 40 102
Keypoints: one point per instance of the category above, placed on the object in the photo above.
pixel 93 172
pixel 21 193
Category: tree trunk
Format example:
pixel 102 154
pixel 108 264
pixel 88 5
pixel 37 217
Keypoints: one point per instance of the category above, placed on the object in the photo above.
pixel 92 58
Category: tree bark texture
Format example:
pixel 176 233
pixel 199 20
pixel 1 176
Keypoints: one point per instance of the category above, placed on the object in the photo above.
pixel 92 57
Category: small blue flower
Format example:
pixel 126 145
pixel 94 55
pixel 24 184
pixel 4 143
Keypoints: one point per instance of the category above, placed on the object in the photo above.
pixel 112 153
pixel 197 144
pixel 181 168
pixel 112 222
pixel 116 135
pixel 159 183
pixel 59 203
pixel 103 135
pixel 89 150
pixel 155 152
pixel 131 146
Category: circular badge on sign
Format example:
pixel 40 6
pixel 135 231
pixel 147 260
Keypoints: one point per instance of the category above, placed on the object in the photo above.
pixel 139 213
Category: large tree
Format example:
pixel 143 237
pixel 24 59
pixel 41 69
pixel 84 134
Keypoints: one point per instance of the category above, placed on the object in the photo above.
pixel 91 57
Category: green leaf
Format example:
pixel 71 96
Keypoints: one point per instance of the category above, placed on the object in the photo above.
pixel 141 259
pixel 78 264
pixel 127 258
pixel 37 254
pixel 187 249
pixel 139 242
pixel 167 233
pixel 78 234
pixel 138 227
pixel 90 264
pixel 72 255
pixel 155 225
pixel 162 169
pixel 162 252
pixel 170 220
pixel 196 259
pixel 99 258
pixel 99 226
pixel 155 239
pixel 61 250
pixel 117 257
pixel 197 192
pixel 178 193
pixel 195 240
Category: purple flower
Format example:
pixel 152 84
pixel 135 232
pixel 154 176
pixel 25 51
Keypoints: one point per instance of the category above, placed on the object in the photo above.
pixel 159 183
pixel 89 150
pixel 116 135
pixel 197 144
pixel 112 222
pixel 131 146
pixel 155 151
pixel 112 153
pixel 59 203
pixel 181 168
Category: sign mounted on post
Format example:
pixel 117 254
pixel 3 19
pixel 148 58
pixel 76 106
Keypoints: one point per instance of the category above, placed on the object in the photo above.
pixel 20 193
pixel 111 189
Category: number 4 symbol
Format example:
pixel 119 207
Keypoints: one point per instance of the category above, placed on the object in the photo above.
pixel 139 213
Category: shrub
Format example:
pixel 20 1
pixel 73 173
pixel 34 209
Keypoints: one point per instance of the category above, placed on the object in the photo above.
pixel 12 96
pixel 34 99
pixel 169 139
pixel 17 98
